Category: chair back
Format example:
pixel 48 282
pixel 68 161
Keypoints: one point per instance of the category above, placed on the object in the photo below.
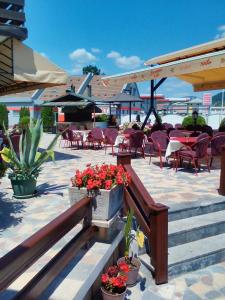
pixel 128 130
pixel 73 127
pixel 96 134
pixel 216 144
pixel 178 126
pixel 219 133
pixel 176 133
pixel 160 138
pixel 136 139
pixel 110 135
pixel 201 147
pixel 167 125
pixel 202 136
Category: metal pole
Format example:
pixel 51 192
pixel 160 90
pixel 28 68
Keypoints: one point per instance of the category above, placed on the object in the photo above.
pixel 130 112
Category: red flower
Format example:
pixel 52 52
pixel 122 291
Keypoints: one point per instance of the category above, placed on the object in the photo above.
pixel 124 267
pixel 105 278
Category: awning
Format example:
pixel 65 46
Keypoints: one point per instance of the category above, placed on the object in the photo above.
pixel 23 69
pixel 204 72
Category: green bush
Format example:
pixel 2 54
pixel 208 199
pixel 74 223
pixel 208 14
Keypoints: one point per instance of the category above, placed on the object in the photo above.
pixel 101 118
pixel 188 121
pixel 25 122
pixel 47 116
pixel 24 112
pixel 3 115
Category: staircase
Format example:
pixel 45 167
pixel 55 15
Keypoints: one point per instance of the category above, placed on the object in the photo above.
pixel 196 237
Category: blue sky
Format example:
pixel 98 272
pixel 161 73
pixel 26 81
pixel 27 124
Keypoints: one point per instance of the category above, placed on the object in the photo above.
pixel 119 35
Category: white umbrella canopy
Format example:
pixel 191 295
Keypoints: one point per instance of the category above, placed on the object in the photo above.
pixel 204 69
pixel 23 69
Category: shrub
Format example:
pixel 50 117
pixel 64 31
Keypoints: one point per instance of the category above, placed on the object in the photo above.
pixel 47 116
pixel 24 112
pixel 24 122
pixel 188 121
pixel 101 118
pixel 3 116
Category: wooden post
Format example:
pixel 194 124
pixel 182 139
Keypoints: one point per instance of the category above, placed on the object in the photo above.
pixel 159 243
pixel 221 189
pixel 123 159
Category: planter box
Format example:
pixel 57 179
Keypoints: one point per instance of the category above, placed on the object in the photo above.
pixel 104 205
pixel 101 124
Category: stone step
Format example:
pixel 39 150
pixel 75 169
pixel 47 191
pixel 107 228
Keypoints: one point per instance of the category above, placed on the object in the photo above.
pixel 197 254
pixel 195 228
pixel 195 209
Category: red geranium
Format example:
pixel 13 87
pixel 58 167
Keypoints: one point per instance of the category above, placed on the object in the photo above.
pixel 114 280
pixel 100 177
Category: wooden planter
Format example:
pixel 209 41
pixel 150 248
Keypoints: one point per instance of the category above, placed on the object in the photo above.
pixel 105 205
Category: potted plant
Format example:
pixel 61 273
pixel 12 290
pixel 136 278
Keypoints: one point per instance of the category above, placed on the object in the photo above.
pixel 114 282
pixel 26 165
pixel 129 258
pixel 104 184
pixel 101 121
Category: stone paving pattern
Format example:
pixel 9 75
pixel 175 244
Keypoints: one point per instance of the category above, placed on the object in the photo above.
pixel 21 218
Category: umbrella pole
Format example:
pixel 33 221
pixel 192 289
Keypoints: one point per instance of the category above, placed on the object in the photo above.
pixel 130 112
pixel 94 117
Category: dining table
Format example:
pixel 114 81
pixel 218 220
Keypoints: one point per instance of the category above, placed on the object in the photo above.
pixel 176 143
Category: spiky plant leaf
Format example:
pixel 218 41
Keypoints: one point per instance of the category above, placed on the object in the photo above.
pixel 36 132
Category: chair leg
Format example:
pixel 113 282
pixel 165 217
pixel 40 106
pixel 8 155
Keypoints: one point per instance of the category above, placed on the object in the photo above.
pixel 112 150
pixel 211 161
pixel 195 166
pixel 208 163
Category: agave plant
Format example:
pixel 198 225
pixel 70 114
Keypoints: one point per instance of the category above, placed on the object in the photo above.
pixel 27 163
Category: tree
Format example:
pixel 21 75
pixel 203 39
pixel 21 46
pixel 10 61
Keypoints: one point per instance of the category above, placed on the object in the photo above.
pixel 47 116
pixel 3 116
pixel 91 69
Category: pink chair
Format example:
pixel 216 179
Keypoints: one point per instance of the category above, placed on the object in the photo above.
pixel 95 137
pixel 135 142
pixel 74 138
pixel 160 141
pixel 195 153
pixel 178 126
pixel 216 147
pixel 128 131
pixel 110 135
pixel 176 133
pixel 202 136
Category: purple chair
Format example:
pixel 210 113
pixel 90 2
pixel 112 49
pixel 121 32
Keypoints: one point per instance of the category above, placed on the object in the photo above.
pixel 95 137
pixel 136 142
pixel 160 141
pixel 167 126
pixel 74 138
pixel 202 136
pixel 176 133
pixel 195 153
pixel 128 131
pixel 219 133
pixel 110 135
pixel 178 126
pixel 216 147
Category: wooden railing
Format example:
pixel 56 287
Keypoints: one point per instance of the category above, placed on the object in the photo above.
pixel 18 260
pixel 152 218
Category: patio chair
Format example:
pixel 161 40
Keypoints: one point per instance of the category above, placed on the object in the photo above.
pixel 216 147
pixel 110 135
pixel 64 139
pixel 219 133
pixel 178 126
pixel 135 142
pixel 128 131
pixel 160 140
pixel 95 137
pixel 74 138
pixel 202 136
pixel 176 133
pixel 195 153
pixel 167 126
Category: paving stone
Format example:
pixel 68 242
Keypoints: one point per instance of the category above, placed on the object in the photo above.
pixel 190 295
pixel 213 295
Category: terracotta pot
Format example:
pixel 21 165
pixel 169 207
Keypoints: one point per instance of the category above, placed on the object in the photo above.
pixel 133 273
pixel 107 296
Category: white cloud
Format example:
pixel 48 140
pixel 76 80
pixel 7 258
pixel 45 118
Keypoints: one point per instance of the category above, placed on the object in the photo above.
pixel 95 50
pixel 221 32
pixel 125 62
pixel 81 57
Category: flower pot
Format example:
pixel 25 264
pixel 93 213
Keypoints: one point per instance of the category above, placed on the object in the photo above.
pixel 105 205
pixel 107 296
pixel 133 273
pixel 24 188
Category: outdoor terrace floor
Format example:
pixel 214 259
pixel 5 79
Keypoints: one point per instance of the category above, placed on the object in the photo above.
pixel 21 218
